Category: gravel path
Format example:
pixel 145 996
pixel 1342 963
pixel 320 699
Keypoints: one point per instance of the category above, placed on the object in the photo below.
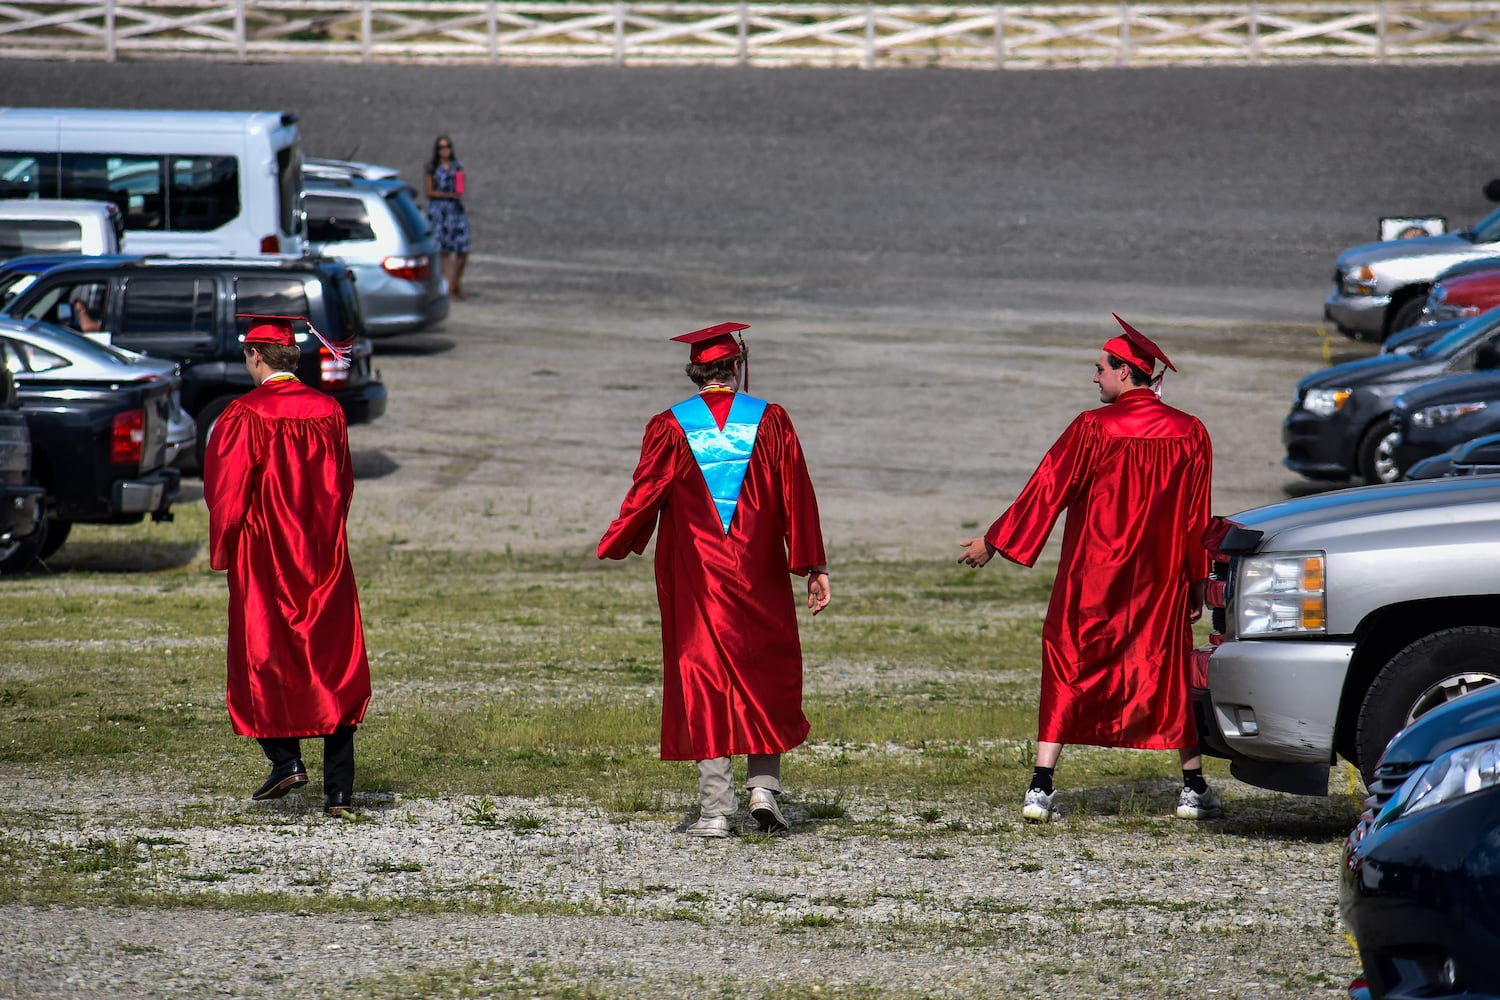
pixel 892 899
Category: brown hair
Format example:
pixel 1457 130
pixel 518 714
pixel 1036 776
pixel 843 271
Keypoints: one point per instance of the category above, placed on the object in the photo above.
pixel 280 357
pixel 1138 376
pixel 721 370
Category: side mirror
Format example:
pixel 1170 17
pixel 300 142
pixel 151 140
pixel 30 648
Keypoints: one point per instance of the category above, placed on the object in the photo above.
pixel 1492 190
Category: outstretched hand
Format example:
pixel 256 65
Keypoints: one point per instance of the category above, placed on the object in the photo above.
pixel 977 552
pixel 818 591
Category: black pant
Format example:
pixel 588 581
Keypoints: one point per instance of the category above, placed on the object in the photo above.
pixel 338 757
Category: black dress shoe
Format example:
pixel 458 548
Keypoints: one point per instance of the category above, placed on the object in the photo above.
pixel 338 804
pixel 284 777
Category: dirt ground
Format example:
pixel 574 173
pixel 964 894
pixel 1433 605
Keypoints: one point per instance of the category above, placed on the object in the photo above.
pixel 928 261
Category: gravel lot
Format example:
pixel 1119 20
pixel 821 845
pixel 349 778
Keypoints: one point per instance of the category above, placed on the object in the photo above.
pixel 929 260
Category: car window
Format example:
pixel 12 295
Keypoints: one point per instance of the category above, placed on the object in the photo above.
pixel 404 206
pixel 335 219
pixel 28 175
pixel 76 305
pixel 269 296
pixel 351 319
pixel 27 236
pixel 167 309
pixel 21 357
pixel 13 283
pixel 132 181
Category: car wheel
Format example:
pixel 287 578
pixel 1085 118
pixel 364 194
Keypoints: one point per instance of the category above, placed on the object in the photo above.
pixel 1377 453
pixel 1407 313
pixel 207 418
pixel 18 555
pixel 1430 672
pixel 57 533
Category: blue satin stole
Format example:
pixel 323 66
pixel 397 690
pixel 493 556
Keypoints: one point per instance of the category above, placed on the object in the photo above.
pixel 722 455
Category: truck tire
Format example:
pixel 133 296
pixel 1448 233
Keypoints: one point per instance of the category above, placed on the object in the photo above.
pixel 57 533
pixel 1430 672
pixel 1377 453
pixel 1407 313
pixel 18 556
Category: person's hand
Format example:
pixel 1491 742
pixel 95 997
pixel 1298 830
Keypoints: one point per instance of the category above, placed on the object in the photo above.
pixel 818 591
pixel 977 552
pixel 1196 595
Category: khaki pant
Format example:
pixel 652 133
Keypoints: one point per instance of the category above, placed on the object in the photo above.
pixel 716 780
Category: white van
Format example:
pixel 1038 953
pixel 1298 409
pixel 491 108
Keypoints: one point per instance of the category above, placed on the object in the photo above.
pixel 198 183
pixel 59 225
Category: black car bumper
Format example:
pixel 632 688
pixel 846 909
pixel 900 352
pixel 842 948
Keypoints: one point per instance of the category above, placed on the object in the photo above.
pixel 154 493
pixel 362 404
pixel 1422 898
pixel 1317 447
pixel 21 511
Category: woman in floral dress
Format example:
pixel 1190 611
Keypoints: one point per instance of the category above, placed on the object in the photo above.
pixel 445 213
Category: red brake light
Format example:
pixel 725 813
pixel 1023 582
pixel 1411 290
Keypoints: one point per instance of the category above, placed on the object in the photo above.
pixel 333 374
pixel 408 268
pixel 270 244
pixel 127 437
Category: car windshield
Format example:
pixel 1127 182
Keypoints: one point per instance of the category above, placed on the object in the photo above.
pixel 1463 335
pixel 1487 229
pixel 413 222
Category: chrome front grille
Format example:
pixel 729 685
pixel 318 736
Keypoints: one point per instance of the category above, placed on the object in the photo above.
pixel 1388 778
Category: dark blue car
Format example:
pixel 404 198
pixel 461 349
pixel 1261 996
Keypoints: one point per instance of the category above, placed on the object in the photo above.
pixel 1420 890
pixel 1437 416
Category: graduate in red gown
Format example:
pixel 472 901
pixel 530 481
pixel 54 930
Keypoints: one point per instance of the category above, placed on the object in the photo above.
pixel 1134 478
pixel 724 475
pixel 278 482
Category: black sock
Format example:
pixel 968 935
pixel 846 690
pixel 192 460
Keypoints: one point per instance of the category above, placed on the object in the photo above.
pixel 1192 777
pixel 1041 779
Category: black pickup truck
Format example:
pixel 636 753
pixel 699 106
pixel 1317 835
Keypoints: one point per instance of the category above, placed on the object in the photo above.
pixel 98 422
pixel 20 499
pixel 186 311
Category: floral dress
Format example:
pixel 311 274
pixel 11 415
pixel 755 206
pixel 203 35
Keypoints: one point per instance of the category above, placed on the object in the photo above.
pixel 446 216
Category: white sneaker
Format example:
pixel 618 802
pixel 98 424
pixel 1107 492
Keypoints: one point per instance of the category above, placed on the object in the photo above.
pixel 714 827
pixel 1198 805
pixel 763 808
pixel 1038 807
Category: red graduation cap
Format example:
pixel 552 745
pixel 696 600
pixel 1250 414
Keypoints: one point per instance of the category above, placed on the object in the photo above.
pixel 1136 348
pixel 714 342
pixel 279 330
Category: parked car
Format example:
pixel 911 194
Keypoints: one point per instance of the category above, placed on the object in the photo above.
pixel 59 225
pixel 1340 422
pixel 1479 457
pixel 324 167
pixel 1380 288
pixel 99 423
pixel 1420 886
pixel 1462 291
pixel 185 311
pixel 1340 618
pixel 18 273
pixel 1407 341
pixel 1436 416
pixel 21 499
pixel 376 228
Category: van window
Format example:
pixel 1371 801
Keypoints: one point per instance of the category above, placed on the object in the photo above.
pixel 132 181
pixel 413 222
pixel 289 183
pixel 28 175
pixel 167 309
pixel 23 357
pixel 204 192
pixel 25 236
pixel 332 219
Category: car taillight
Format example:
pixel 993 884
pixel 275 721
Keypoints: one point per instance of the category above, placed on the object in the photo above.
pixel 270 244
pixel 127 437
pixel 408 268
pixel 334 375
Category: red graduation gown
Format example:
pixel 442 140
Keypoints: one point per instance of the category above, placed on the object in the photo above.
pixel 1134 478
pixel 732 682
pixel 278 482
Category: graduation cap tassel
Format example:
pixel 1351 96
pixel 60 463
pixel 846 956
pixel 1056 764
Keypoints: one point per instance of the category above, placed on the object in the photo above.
pixel 340 354
pixel 746 361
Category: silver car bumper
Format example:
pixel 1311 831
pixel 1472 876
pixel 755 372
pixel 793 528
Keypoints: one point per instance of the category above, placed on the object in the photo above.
pixel 1277 701
pixel 1357 315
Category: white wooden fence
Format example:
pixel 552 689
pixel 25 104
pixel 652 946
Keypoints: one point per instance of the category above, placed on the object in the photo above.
pixel 1013 35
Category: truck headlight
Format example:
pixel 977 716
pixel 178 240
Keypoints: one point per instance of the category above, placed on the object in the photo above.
pixel 1360 281
pixel 1456 773
pixel 1325 402
pixel 1281 593
pixel 1436 416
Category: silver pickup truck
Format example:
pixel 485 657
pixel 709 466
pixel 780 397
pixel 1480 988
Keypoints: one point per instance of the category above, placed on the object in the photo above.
pixel 1339 618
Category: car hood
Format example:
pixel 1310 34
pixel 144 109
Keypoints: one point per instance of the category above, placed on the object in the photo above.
pixel 1454 389
pixel 1365 371
pixel 1463 510
pixel 1470 719
pixel 1448 244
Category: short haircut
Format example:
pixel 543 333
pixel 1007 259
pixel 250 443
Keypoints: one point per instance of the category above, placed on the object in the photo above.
pixel 280 357
pixel 1138 376
pixel 721 370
